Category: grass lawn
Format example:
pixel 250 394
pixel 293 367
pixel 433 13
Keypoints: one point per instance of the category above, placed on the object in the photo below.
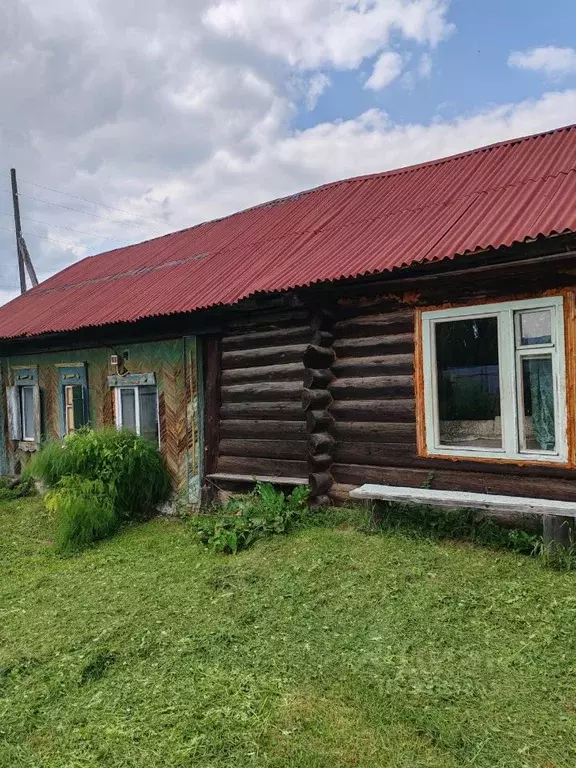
pixel 324 649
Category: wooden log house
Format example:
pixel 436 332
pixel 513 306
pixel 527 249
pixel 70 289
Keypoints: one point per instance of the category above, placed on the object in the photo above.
pixel 413 328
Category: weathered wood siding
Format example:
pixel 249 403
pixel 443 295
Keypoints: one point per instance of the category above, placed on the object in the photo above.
pixel 374 396
pixel 262 427
pixel 173 362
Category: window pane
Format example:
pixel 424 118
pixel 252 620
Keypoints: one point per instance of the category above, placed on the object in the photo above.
pixel 469 383
pixel 128 403
pixel 27 403
pixel 536 327
pixel 148 413
pixel 78 406
pixel 538 427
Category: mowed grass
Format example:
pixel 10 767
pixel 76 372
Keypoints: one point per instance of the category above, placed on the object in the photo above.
pixel 324 649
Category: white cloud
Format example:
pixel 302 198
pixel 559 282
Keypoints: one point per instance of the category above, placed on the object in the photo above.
pixel 319 82
pixel 160 114
pixel 386 69
pixel 310 34
pixel 425 66
pixel 550 60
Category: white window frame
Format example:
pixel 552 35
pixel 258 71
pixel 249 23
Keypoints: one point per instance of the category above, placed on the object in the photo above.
pixel 118 406
pixel 26 438
pixel 510 355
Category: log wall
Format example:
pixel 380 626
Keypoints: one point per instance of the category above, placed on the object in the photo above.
pixel 374 395
pixel 262 425
pixel 329 394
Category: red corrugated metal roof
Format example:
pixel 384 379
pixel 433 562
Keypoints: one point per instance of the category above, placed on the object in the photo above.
pixel 491 197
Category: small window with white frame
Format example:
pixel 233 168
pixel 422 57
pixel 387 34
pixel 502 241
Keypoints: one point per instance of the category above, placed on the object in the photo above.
pixel 23 400
pixel 26 413
pixel 494 380
pixel 137 410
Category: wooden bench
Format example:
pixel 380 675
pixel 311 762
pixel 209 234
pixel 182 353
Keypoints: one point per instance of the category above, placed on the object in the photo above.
pixel 227 477
pixel 557 516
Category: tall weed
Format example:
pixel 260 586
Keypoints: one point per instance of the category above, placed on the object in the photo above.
pixel 130 467
pixel 85 512
pixel 250 517
pixel 99 479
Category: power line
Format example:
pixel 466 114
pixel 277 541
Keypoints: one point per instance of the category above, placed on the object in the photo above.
pixel 61 226
pixel 41 237
pixel 77 210
pixel 94 202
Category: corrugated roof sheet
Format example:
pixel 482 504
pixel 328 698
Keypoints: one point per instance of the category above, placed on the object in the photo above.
pixel 491 197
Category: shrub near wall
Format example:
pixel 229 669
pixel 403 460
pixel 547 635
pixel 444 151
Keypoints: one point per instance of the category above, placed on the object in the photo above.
pixel 97 479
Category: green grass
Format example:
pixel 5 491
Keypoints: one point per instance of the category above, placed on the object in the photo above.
pixel 324 649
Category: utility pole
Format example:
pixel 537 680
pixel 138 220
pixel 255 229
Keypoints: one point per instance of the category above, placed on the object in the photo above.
pixel 18 228
pixel 24 260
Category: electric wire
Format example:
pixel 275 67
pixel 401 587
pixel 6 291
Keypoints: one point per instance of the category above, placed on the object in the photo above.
pixel 61 226
pixel 41 237
pixel 94 202
pixel 77 210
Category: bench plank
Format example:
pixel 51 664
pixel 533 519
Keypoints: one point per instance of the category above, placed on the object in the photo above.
pixel 226 476
pixel 463 500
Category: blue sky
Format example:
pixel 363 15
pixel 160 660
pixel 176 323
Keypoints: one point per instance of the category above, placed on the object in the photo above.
pixel 125 125
pixel 470 68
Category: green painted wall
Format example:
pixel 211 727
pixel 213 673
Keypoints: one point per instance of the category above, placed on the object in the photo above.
pixel 175 364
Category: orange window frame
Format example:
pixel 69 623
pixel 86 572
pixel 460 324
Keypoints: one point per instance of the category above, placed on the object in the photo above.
pixel 570 354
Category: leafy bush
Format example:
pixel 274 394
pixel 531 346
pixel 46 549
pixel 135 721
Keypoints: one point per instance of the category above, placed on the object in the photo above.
pixel 85 512
pixel 250 517
pixel 130 467
pixel 98 479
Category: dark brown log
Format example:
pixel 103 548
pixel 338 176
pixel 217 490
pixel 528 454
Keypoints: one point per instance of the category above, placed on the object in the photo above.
pixel 287 372
pixel 377 387
pixel 374 410
pixel 315 399
pixel 348 434
pixel 275 411
pixel 322 319
pixel 318 357
pixel 388 365
pixel 249 465
pixel 260 320
pixel 323 338
pixel 320 483
pixel 248 358
pixel 340 494
pixel 319 420
pixel 402 343
pixel 262 392
pixel 318 462
pixel 240 429
pixel 381 324
pixel 376 454
pixel 369 432
pixel 477 482
pixel 317 378
pixel 279 448
pixel 212 374
pixel 320 442
pixel 524 259
pixel 300 334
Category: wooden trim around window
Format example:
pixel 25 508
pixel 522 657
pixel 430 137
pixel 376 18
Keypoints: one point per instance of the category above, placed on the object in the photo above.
pixel 569 295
